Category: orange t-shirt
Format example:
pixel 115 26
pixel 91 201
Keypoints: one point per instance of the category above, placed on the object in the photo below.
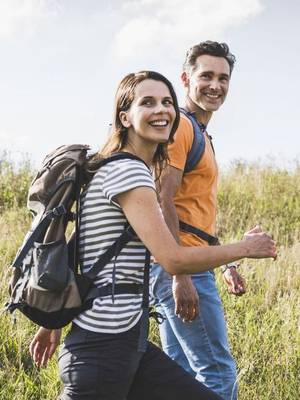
pixel 196 198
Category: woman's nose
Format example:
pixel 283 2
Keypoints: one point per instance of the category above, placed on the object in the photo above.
pixel 160 108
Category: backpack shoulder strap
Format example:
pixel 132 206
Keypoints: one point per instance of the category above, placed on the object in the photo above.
pixel 113 251
pixel 121 155
pixel 198 146
pixel 128 233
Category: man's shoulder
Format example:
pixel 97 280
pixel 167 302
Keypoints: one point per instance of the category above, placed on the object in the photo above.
pixel 185 129
pixel 185 121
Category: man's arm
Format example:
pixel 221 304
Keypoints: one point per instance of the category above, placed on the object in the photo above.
pixel 185 295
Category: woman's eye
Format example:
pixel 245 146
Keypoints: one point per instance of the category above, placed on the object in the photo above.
pixel 147 103
pixel 168 102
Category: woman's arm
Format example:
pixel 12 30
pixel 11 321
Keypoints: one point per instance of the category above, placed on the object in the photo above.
pixel 144 215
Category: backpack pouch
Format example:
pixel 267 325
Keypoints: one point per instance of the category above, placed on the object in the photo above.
pixel 51 309
pixel 50 297
pixel 50 269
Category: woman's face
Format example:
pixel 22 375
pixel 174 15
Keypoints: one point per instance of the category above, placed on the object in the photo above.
pixel 151 114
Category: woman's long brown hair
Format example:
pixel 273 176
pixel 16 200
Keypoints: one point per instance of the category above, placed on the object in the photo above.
pixel 119 134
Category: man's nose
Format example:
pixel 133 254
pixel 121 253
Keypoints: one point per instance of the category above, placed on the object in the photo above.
pixel 215 84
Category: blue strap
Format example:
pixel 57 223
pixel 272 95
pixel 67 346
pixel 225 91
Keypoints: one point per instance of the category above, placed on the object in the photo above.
pixel 198 146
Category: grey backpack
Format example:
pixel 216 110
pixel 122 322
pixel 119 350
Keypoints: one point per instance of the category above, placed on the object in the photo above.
pixel 47 285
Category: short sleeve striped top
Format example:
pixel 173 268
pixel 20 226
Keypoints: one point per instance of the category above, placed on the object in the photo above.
pixel 101 222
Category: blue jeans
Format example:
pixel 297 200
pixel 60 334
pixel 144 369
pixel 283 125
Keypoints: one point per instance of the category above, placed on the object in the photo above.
pixel 200 347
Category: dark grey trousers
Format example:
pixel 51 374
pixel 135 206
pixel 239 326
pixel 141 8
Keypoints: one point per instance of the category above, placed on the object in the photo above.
pixel 97 366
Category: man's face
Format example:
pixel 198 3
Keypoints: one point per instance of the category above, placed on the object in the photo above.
pixel 207 84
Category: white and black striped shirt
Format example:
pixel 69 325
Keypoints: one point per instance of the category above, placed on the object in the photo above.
pixel 102 221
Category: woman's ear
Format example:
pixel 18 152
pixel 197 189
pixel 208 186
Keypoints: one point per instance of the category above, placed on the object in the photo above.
pixel 124 118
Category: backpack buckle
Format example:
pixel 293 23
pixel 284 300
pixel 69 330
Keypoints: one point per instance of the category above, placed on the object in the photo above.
pixel 56 211
pixel 59 210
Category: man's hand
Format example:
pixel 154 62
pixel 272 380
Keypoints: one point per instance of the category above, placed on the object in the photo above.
pixel 186 298
pixel 43 345
pixel 260 244
pixel 234 282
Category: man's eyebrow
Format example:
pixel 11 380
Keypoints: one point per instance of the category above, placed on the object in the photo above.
pixel 224 74
pixel 212 73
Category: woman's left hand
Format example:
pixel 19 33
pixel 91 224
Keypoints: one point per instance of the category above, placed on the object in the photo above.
pixel 43 345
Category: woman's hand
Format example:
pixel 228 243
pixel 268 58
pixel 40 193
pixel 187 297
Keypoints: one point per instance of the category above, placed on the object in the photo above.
pixel 43 345
pixel 260 244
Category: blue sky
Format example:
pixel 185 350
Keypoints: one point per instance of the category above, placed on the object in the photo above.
pixel 61 61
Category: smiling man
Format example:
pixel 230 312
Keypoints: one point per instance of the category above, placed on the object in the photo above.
pixel 194 330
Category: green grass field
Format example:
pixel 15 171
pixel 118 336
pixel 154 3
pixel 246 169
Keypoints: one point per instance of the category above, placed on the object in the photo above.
pixel 264 324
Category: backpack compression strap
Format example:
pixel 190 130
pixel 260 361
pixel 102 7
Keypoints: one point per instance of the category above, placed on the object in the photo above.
pixel 131 288
pixel 35 234
pixel 198 146
pixel 144 327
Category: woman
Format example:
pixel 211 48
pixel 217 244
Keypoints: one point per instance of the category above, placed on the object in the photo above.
pixel 100 358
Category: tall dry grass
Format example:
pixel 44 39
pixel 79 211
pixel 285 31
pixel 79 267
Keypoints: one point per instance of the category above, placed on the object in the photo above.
pixel 264 324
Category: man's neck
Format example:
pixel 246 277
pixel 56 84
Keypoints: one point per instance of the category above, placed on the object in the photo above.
pixel 201 115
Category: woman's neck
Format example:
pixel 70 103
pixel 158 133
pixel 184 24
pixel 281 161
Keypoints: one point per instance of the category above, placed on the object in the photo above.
pixel 146 153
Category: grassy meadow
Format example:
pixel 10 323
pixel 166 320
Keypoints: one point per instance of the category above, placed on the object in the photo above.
pixel 264 324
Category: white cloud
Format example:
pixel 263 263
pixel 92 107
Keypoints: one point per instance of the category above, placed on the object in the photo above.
pixel 25 15
pixel 173 25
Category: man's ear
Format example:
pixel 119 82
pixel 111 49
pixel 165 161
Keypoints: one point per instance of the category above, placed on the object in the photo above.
pixel 185 79
pixel 124 118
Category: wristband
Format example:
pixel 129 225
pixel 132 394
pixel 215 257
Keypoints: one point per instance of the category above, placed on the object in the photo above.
pixel 224 268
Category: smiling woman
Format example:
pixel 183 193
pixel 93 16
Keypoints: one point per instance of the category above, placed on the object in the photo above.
pixel 139 96
pixel 106 354
pixel 150 116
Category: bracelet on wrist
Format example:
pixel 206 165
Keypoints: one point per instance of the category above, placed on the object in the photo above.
pixel 224 268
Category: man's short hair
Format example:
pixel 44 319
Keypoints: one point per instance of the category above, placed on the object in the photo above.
pixel 210 48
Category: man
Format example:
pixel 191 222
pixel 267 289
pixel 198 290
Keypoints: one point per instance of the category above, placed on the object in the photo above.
pixel 194 330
